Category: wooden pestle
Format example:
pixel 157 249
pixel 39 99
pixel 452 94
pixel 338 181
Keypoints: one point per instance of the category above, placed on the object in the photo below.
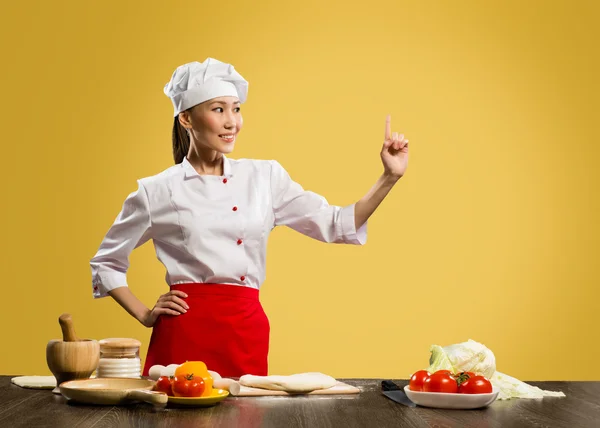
pixel 66 324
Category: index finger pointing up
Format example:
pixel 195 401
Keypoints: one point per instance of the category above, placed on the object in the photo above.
pixel 388 127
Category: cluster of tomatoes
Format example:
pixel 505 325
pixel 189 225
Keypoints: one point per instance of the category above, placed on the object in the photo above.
pixel 191 379
pixel 445 381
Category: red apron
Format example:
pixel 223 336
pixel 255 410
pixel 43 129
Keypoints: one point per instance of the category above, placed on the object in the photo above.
pixel 225 326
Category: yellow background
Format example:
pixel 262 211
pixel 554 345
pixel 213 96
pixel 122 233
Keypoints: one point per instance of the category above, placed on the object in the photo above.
pixel 492 235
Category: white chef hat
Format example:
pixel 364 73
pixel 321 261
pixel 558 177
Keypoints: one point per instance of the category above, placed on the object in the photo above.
pixel 195 82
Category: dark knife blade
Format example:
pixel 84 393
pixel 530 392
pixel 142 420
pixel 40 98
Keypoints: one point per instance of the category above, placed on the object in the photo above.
pixel 395 393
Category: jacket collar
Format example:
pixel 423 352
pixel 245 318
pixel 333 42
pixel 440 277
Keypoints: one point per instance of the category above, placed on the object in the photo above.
pixel 190 171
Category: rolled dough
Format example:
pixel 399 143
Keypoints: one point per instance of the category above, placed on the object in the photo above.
pixel 35 382
pixel 301 382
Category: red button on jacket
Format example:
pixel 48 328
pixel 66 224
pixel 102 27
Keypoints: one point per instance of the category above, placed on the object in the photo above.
pixel 224 180
pixel 242 278
pixel 239 242
pixel 235 208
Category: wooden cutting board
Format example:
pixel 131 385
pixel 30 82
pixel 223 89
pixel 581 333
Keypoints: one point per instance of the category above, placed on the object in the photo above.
pixel 339 388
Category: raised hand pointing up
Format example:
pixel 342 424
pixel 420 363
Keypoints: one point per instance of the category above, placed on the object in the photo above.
pixel 394 153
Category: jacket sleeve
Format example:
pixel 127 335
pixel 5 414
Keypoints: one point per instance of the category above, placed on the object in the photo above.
pixel 131 228
pixel 310 214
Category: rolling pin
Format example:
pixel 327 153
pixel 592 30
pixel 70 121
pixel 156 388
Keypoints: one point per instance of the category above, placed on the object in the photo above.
pixel 229 384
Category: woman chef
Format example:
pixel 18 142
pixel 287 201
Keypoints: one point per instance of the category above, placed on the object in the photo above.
pixel 209 217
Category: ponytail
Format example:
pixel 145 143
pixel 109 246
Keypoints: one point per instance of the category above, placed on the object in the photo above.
pixel 181 141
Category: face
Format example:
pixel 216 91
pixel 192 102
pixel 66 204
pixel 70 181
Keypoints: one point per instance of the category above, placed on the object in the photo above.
pixel 215 123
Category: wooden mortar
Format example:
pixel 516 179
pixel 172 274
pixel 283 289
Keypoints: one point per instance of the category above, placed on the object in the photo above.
pixel 71 358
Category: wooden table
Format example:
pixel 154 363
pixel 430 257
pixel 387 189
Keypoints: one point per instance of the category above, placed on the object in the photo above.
pixel 21 407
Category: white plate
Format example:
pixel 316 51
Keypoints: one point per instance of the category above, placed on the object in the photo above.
pixel 444 400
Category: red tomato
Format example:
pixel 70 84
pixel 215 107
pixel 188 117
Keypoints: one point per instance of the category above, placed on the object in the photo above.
pixel 475 385
pixel 416 380
pixel 163 384
pixel 463 376
pixel 440 382
pixel 188 386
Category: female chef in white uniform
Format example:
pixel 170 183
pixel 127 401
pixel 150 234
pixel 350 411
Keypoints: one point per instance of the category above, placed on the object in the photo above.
pixel 209 218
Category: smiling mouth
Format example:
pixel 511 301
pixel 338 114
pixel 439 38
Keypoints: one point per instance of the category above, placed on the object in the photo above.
pixel 227 137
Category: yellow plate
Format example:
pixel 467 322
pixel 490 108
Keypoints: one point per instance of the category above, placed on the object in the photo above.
pixel 210 400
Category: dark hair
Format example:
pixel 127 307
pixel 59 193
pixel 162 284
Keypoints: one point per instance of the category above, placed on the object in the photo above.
pixel 181 141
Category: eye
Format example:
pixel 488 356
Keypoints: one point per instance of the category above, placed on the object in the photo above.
pixel 237 109
pixel 218 108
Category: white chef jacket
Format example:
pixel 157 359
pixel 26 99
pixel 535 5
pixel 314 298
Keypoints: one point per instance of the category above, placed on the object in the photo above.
pixel 214 229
